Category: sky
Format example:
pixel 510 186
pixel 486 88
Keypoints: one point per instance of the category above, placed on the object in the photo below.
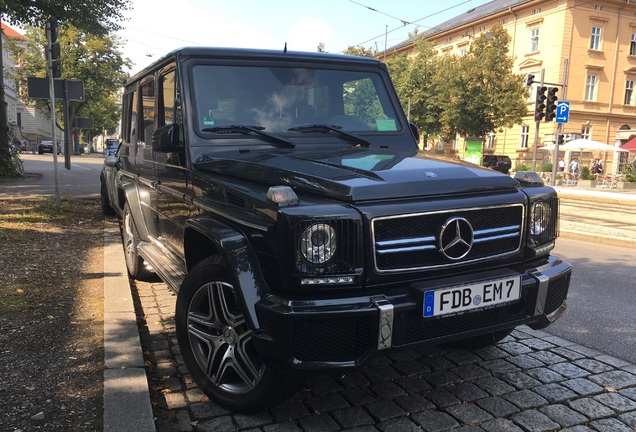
pixel 156 27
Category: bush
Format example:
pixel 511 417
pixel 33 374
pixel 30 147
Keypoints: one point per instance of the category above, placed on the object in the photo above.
pixel 585 174
pixel 547 167
pixel 629 174
pixel 523 167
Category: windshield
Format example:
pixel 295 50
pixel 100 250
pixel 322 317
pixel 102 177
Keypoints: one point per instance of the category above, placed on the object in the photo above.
pixel 282 98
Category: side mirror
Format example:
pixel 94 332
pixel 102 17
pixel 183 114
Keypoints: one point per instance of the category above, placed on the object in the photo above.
pixel 111 162
pixel 165 138
pixel 416 132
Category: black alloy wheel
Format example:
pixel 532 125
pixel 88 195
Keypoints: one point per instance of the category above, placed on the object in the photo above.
pixel 216 343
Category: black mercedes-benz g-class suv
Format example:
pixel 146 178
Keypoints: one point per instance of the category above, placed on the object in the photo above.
pixel 284 198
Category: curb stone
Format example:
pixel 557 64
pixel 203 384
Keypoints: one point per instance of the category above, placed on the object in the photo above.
pixel 126 393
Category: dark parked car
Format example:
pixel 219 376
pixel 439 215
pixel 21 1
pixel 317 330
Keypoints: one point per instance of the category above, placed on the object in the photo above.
pixel 283 197
pixel 47 147
pixel 498 163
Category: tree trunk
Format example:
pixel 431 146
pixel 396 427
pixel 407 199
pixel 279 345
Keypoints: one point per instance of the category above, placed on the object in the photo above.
pixel 6 169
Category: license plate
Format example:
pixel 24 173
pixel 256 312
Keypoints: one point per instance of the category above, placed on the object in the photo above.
pixel 474 296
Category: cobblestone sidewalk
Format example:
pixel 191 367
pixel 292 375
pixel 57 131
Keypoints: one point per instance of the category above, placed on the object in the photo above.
pixel 531 381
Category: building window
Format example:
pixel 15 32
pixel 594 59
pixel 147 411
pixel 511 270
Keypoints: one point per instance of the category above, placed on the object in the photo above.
pixel 456 142
pixel 629 92
pixel 440 145
pixel 523 139
pixel 534 40
pixel 490 141
pixel 463 52
pixel 595 40
pixel 586 132
pixel 599 7
pixel 536 11
pixel 590 88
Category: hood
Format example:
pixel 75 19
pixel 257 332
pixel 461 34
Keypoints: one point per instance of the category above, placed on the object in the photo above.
pixel 359 174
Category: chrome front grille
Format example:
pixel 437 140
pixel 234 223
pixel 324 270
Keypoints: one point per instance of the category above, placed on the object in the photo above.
pixel 425 240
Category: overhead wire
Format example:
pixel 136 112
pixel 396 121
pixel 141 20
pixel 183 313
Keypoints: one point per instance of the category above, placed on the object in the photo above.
pixel 404 22
pixel 409 22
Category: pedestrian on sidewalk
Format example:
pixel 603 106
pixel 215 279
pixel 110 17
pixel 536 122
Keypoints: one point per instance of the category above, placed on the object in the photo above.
pixel 574 166
pixel 561 165
pixel 597 167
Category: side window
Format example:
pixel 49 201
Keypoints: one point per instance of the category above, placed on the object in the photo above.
pixel 126 117
pixel 134 118
pixel 170 100
pixel 148 104
pixel 126 151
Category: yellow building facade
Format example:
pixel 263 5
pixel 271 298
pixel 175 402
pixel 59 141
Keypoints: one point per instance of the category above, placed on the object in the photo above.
pixel 585 48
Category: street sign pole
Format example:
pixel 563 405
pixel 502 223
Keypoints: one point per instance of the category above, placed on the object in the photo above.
pixel 67 129
pixel 52 103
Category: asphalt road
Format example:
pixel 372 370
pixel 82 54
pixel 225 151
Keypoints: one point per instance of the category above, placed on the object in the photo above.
pixel 601 299
pixel 81 180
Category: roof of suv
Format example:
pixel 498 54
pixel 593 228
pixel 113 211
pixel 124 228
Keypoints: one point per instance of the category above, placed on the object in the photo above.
pixel 256 54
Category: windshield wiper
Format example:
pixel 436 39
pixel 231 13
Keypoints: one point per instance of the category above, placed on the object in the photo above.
pixel 332 128
pixel 247 129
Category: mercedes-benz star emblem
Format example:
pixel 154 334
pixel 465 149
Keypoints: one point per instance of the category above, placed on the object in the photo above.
pixel 456 238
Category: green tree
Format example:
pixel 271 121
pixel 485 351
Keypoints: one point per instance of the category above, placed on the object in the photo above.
pixel 413 75
pixel 98 17
pixel 478 93
pixel 80 52
pixel 360 51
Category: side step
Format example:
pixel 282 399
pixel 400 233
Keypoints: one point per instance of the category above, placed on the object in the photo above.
pixel 164 263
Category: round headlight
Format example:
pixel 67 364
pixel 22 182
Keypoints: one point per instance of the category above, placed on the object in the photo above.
pixel 318 243
pixel 541 217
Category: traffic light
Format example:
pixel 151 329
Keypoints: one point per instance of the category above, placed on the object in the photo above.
pixel 561 139
pixel 539 108
pixel 529 79
pixel 56 65
pixel 551 104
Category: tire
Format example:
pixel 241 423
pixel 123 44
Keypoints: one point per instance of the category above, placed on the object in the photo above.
pixel 481 341
pixel 130 239
pixel 107 209
pixel 216 344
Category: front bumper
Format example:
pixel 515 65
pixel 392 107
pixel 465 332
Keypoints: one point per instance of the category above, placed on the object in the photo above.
pixel 330 334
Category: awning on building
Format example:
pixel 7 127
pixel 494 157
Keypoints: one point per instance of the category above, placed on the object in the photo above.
pixel 630 145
